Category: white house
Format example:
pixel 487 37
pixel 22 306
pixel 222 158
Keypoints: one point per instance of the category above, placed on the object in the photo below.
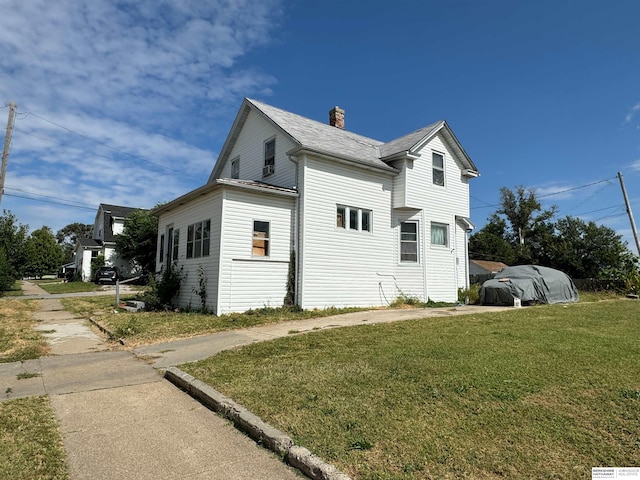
pixel 108 223
pixel 366 220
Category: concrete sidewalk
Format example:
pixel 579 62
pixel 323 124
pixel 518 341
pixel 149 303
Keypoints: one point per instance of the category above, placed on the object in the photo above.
pixel 120 419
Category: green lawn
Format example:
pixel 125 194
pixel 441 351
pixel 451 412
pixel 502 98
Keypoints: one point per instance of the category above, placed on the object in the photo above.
pixel 14 291
pixel 58 286
pixel 541 392
pixel 30 442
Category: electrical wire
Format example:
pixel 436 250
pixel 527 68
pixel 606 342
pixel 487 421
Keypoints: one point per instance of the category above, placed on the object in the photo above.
pixel 47 196
pixel 51 202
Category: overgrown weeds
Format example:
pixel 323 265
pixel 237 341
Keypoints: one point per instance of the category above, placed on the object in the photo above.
pixel 18 340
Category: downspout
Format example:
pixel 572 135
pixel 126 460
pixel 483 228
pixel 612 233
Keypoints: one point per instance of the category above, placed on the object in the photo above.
pixel 296 234
pixel 423 250
pixel 221 257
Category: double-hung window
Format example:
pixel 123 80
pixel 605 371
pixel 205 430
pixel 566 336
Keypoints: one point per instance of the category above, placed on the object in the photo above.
pixel 161 248
pixel 173 243
pixel 353 218
pixel 409 242
pixel 198 239
pixel 440 234
pixel 269 157
pixel 260 244
pixel 438 168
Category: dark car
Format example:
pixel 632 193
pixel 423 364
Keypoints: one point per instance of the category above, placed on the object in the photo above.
pixel 107 275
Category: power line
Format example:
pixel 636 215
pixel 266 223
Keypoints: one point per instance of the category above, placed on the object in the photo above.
pixel 51 202
pixel 105 145
pixel 49 197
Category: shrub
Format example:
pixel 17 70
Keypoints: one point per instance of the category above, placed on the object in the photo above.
pixel 469 295
pixel 161 294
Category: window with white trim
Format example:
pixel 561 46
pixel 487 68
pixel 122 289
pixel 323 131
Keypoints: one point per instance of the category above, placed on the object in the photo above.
pixel 161 248
pixel 353 218
pixel 409 242
pixel 260 245
pixel 438 168
pixel 198 239
pixel 440 234
pixel 269 157
pixel 235 168
pixel 173 243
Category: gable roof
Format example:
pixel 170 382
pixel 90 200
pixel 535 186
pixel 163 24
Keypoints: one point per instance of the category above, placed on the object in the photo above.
pixel 311 135
pixel 110 212
pixel 489 266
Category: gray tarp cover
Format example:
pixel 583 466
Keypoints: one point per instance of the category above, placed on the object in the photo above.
pixel 529 283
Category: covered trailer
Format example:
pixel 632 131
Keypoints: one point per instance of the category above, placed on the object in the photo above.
pixel 530 284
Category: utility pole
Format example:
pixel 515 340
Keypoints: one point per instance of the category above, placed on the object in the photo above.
pixel 7 143
pixel 629 212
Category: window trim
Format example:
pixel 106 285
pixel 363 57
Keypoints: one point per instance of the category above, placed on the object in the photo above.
pixel 161 245
pixel 269 162
pixel 195 245
pixel 235 168
pixel 439 169
pixel 266 240
pixel 415 242
pixel 344 217
pixel 445 226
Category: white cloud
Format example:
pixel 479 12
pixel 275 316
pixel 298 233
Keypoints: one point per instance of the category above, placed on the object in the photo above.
pixel 151 84
pixel 635 165
pixel 632 112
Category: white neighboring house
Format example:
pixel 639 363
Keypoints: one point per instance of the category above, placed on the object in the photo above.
pixel 108 223
pixel 367 220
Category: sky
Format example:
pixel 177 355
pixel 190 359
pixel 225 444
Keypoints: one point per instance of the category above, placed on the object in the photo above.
pixel 129 102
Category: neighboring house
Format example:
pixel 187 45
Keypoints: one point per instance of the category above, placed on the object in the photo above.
pixel 485 267
pixel 367 220
pixel 108 223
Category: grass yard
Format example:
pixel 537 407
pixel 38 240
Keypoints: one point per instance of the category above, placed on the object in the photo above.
pixel 58 286
pixel 14 291
pixel 151 327
pixel 18 340
pixel 30 442
pixel 541 392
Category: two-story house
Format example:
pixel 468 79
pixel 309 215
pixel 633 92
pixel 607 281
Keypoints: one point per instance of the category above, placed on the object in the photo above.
pixel 366 220
pixel 108 223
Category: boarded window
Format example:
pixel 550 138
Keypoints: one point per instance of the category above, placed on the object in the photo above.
pixel 260 239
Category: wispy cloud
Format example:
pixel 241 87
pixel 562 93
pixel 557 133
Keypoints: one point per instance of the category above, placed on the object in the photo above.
pixel 632 112
pixel 139 88
pixel 635 165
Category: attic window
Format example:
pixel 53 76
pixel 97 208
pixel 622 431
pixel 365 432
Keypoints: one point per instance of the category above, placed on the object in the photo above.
pixel 235 168
pixel 269 157
pixel 438 169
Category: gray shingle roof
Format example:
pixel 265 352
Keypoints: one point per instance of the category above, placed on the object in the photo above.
pixel 408 142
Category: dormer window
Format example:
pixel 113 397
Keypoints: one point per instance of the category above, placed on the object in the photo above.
pixel 269 157
pixel 438 169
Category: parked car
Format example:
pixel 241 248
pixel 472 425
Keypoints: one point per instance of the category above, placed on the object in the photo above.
pixel 107 275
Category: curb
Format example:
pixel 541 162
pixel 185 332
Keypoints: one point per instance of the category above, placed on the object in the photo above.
pixel 105 330
pixel 261 432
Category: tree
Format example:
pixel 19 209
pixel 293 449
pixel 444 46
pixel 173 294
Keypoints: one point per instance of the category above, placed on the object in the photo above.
pixel 13 246
pixel 44 255
pixel 68 237
pixel 489 242
pixel 526 221
pixel 139 239
pixel 587 250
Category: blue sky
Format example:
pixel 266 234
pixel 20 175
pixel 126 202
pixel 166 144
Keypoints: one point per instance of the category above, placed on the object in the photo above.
pixel 129 102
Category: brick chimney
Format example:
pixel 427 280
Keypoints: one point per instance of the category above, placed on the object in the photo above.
pixel 336 117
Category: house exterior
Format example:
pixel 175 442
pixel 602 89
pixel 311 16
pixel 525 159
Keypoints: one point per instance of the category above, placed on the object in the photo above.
pixel 365 220
pixel 108 223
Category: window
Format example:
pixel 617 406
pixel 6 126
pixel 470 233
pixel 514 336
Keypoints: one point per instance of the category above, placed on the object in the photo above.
pixel 438 168
pixel 235 168
pixel 269 157
pixel 353 218
pixel 162 248
pixel 176 243
pixel 198 239
pixel 260 247
pixel 440 234
pixel 409 242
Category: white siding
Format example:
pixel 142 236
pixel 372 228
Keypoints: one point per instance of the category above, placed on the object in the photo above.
pixel 247 281
pixel 409 276
pixel 204 208
pixel 249 148
pixel 440 205
pixel 341 267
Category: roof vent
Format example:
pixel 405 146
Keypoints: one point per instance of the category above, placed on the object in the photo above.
pixel 336 117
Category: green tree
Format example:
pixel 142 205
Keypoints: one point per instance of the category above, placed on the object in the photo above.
pixel 489 243
pixel 587 250
pixel 68 237
pixel 44 255
pixel 13 246
pixel 138 240
pixel 526 222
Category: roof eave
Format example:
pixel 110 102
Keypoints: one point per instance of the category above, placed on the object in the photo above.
pixel 343 159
